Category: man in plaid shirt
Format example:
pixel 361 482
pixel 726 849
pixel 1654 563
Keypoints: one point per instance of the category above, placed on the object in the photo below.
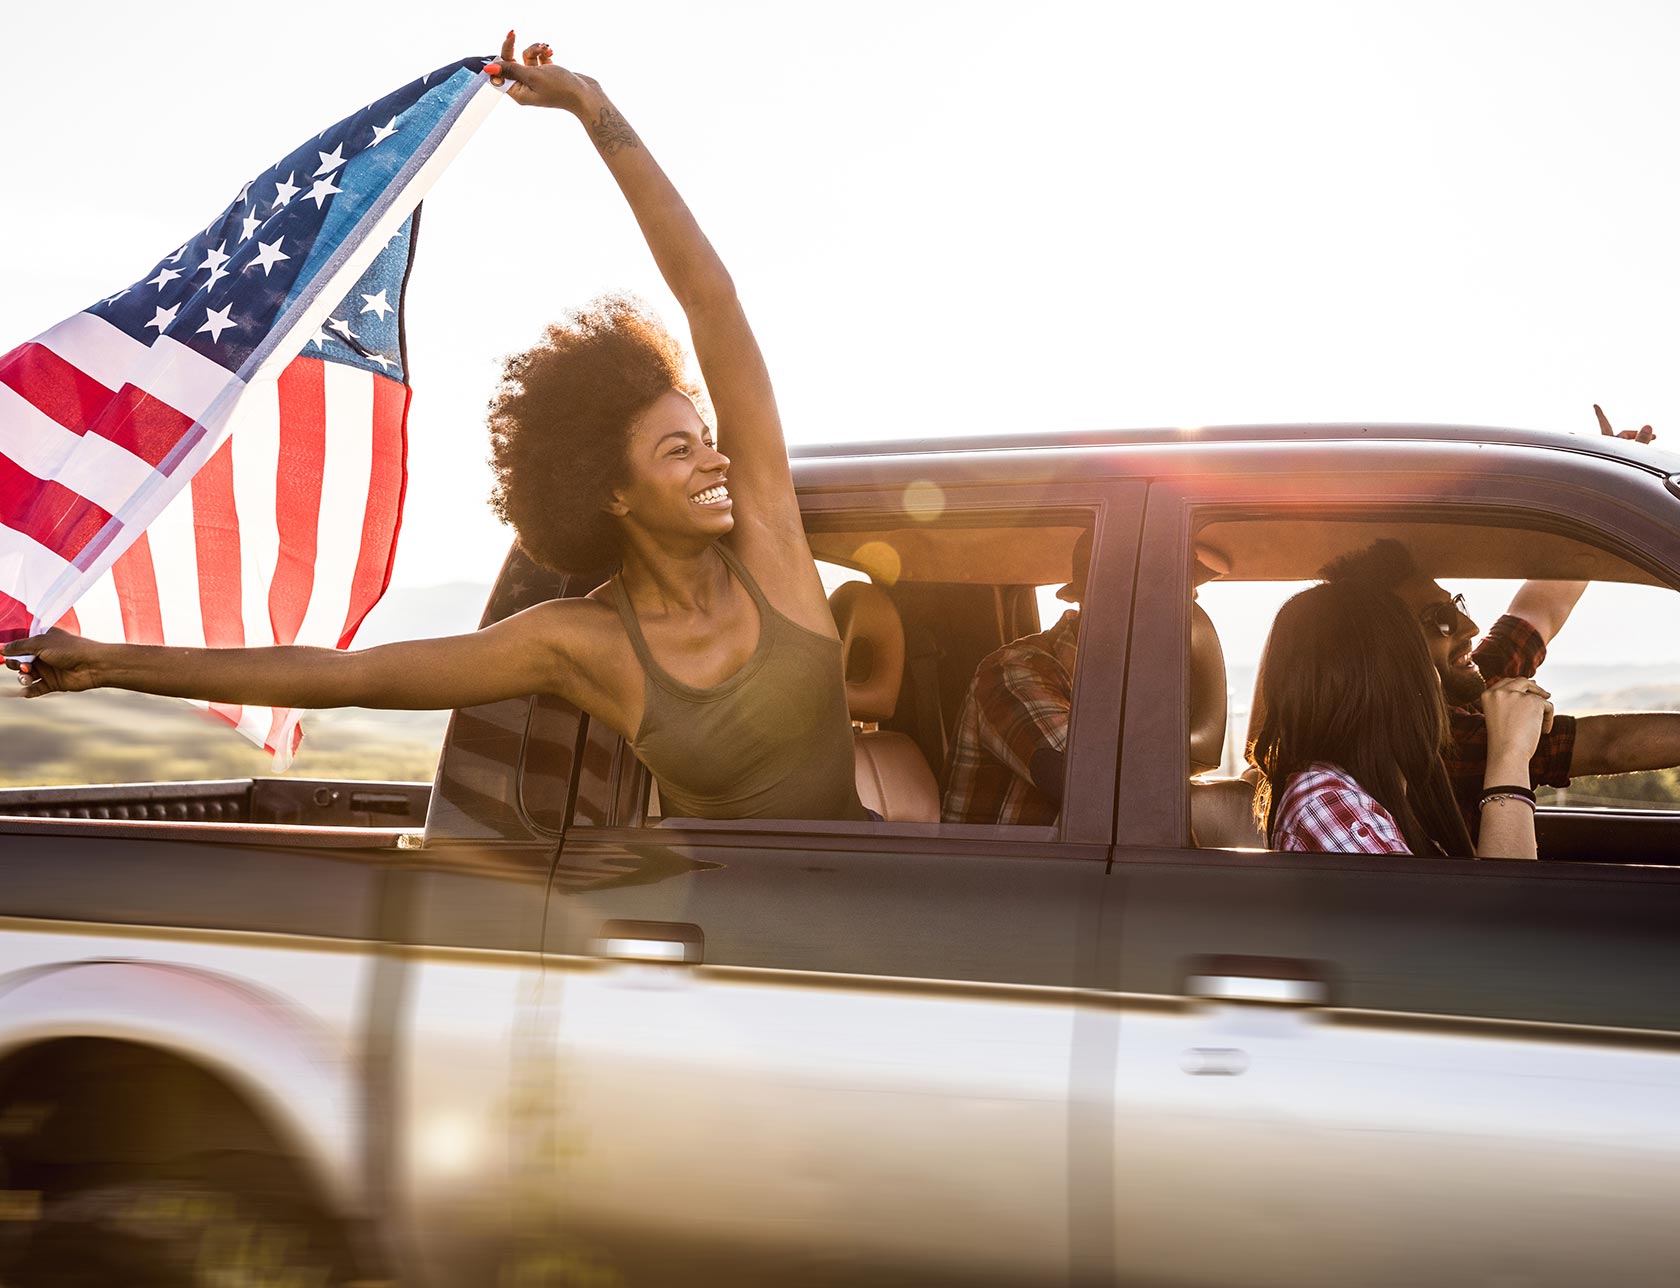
pixel 1011 737
pixel 1515 646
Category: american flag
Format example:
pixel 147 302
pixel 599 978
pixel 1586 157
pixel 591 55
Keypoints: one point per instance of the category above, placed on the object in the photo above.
pixel 216 454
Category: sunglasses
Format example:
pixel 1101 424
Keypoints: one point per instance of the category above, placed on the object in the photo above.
pixel 1443 615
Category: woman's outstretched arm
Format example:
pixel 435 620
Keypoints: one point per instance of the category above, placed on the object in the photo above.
pixel 750 428
pixel 546 649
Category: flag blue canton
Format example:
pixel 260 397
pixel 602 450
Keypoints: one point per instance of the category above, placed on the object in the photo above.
pixel 227 290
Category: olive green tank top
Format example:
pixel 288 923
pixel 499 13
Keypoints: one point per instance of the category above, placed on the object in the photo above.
pixel 774 740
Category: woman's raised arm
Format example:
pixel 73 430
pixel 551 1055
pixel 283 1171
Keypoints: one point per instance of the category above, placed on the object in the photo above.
pixel 750 429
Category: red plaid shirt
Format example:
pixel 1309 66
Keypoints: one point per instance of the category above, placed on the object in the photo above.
pixel 1325 811
pixel 1511 648
pixel 1016 707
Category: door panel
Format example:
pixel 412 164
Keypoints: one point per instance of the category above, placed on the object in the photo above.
pixel 869 1074
pixel 1484 1095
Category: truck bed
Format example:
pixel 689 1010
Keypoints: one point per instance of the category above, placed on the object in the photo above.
pixel 307 802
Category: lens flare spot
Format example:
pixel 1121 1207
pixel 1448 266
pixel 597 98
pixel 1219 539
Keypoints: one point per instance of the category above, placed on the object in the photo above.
pixel 880 560
pixel 924 500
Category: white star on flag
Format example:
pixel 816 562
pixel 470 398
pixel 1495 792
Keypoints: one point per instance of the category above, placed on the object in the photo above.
pixel 164 318
pixel 343 328
pixel 377 304
pixel 213 260
pixel 179 251
pixel 217 322
pixel 330 161
pixel 164 278
pixel 319 339
pixel 383 132
pixel 284 192
pixel 321 191
pixel 268 255
pixel 381 359
pixel 252 223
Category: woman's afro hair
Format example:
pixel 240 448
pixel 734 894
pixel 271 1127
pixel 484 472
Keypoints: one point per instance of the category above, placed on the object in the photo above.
pixel 560 421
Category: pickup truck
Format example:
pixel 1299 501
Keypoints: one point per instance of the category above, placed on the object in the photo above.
pixel 554 1037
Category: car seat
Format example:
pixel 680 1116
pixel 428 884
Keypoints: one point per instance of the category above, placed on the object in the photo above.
pixel 893 777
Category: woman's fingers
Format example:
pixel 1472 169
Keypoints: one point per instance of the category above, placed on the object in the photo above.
pixel 20 653
pixel 500 73
pixel 538 55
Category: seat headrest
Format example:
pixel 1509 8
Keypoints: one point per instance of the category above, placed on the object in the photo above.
pixel 1207 694
pixel 871 648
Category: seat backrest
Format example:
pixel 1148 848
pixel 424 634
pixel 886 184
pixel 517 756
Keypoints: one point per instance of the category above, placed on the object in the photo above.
pixel 893 777
pixel 1221 809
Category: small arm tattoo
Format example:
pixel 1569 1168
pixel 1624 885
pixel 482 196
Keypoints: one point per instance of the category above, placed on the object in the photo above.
pixel 613 132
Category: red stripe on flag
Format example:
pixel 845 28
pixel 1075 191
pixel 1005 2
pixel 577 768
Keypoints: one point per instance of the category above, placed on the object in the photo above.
pixel 60 389
pixel 272 743
pixel 216 541
pixel 47 512
pixel 14 619
pixel 128 417
pixel 297 494
pixel 137 594
pixel 387 484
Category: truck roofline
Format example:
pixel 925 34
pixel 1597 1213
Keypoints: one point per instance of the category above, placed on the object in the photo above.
pixel 1049 441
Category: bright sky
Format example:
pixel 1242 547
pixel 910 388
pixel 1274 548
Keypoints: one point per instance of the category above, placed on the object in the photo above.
pixel 944 217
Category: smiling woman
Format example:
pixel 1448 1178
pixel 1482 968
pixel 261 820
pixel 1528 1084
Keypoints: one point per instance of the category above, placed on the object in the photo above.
pixel 719 663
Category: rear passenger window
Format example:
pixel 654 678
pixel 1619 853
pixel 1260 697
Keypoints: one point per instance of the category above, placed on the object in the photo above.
pixel 1615 654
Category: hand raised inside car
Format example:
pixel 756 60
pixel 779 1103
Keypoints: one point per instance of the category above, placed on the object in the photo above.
pixel 1642 435
pixel 1518 711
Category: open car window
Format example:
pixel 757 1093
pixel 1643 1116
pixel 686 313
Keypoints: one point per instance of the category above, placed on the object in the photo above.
pixel 958 590
pixel 1618 652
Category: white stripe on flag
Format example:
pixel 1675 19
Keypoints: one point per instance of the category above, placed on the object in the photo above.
pixel 344 495
pixel 168 370
pixel 98 612
pixel 27 568
pixel 254 440
pixel 255 443
pixel 87 464
pixel 175 557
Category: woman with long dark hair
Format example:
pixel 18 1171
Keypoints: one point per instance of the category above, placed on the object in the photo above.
pixel 1351 725
pixel 711 650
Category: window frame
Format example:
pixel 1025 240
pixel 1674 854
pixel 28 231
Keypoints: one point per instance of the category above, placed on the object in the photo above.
pixel 1115 508
pixel 1526 489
